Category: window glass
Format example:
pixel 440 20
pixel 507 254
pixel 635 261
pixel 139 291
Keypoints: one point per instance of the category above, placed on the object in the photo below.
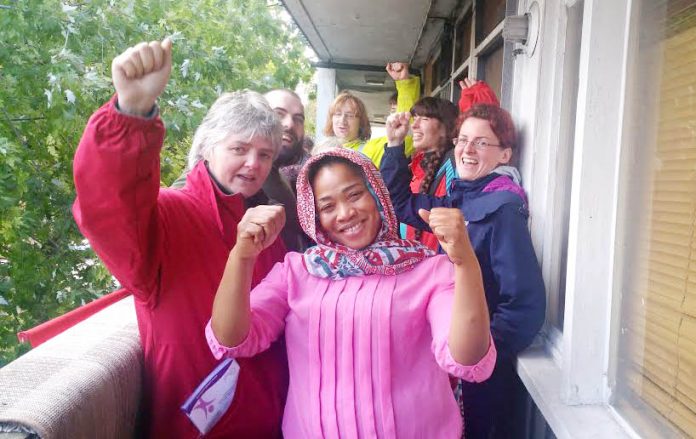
pixel 428 78
pixel 444 61
pixel 463 45
pixel 491 68
pixel 656 364
pixel 445 92
pixel 489 14
pixel 437 73
pixel 455 85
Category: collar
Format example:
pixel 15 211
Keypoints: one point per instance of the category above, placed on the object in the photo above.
pixel 353 144
pixel 201 184
pixel 478 202
pixel 473 185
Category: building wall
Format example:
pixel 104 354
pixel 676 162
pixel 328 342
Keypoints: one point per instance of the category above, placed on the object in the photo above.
pixel 606 107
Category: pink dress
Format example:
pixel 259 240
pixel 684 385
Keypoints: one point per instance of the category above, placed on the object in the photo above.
pixel 368 355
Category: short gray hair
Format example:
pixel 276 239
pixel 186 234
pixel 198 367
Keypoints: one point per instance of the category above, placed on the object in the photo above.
pixel 244 113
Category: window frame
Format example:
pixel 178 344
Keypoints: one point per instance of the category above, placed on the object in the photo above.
pixel 494 38
pixel 571 374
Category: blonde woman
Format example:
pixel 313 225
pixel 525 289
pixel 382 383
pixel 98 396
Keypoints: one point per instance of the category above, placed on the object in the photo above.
pixel 348 119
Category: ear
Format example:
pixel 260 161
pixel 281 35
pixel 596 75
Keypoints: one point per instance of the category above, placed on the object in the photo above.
pixel 505 156
pixel 207 152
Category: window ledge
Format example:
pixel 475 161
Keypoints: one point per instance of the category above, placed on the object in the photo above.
pixel 542 378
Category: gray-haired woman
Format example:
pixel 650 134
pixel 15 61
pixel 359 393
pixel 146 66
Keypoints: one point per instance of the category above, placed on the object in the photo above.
pixel 169 247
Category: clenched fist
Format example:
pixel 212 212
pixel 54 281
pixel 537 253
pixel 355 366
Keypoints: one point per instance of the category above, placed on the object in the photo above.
pixel 140 75
pixel 397 126
pixel 258 229
pixel 398 70
pixel 448 227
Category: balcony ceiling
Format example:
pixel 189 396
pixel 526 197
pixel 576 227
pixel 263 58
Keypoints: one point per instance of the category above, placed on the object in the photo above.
pixel 369 32
pixel 359 37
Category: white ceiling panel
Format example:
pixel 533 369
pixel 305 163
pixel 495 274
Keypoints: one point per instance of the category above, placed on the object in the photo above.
pixel 366 32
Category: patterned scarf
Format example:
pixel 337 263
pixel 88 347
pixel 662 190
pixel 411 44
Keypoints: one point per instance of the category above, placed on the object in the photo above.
pixel 388 254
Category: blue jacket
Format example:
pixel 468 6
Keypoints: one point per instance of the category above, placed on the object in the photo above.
pixel 497 226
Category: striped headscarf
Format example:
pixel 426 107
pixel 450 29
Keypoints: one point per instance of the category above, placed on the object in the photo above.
pixel 388 254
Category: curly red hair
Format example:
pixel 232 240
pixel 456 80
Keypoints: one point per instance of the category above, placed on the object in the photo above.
pixel 499 119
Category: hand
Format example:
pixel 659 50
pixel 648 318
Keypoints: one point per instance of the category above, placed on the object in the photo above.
pixel 398 70
pixel 397 126
pixel 466 83
pixel 140 75
pixel 258 229
pixel 448 227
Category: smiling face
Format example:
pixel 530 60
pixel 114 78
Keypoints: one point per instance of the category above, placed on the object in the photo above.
pixel 347 211
pixel 473 163
pixel 346 122
pixel 428 133
pixel 290 111
pixel 241 165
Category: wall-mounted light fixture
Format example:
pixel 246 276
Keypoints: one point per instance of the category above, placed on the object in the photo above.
pixel 523 30
pixel 374 79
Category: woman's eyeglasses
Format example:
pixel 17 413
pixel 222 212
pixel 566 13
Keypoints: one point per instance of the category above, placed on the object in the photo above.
pixel 479 143
pixel 340 115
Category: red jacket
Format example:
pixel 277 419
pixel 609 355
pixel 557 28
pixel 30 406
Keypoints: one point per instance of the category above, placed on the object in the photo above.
pixel 169 248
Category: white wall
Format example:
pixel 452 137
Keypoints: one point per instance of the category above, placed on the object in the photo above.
pixel 326 93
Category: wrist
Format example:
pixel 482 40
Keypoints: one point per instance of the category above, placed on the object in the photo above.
pixel 466 262
pixel 139 109
pixel 395 142
pixel 241 256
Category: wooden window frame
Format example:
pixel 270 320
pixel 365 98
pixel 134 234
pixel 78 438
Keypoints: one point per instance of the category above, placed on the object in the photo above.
pixel 477 51
pixel 571 375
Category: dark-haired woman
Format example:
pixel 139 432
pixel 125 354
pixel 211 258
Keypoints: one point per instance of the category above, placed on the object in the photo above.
pixel 495 208
pixel 373 324
pixel 432 164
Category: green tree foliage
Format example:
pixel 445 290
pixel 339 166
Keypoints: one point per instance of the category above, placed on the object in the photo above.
pixel 55 61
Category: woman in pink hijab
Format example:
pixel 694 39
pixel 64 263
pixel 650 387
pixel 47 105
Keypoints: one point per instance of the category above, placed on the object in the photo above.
pixel 373 324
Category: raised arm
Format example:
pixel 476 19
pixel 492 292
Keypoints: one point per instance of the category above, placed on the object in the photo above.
pixel 407 86
pixel 116 170
pixel 256 231
pixel 475 92
pixel 469 334
pixel 408 92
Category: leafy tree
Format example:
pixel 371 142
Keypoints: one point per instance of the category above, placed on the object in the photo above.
pixel 55 61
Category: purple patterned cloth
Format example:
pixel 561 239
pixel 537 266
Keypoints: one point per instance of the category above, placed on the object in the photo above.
pixel 505 183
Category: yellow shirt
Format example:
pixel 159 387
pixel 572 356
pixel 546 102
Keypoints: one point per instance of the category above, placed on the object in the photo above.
pixel 409 92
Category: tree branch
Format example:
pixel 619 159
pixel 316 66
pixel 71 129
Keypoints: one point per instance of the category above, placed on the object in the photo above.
pixel 14 128
pixel 26 119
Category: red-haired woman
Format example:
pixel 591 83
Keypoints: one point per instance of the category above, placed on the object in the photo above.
pixel 432 165
pixel 494 206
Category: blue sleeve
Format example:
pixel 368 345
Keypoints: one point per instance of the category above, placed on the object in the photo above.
pixel 397 176
pixel 522 307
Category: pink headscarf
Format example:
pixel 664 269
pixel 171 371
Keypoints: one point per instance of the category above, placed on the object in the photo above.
pixel 388 254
